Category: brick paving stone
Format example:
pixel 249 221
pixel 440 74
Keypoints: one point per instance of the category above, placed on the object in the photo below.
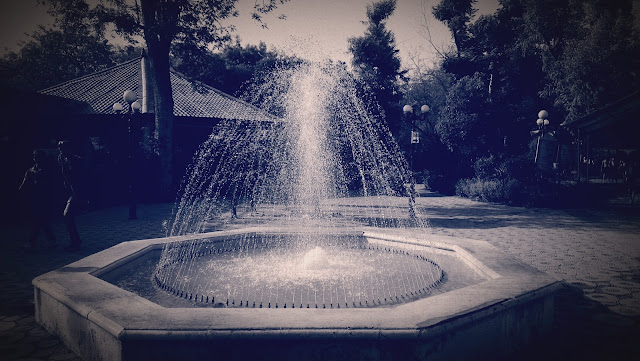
pixel 6 325
pixel 634 287
pixel 630 301
pixel 16 350
pixel 48 343
pixel 13 318
pixel 64 356
pixel 36 332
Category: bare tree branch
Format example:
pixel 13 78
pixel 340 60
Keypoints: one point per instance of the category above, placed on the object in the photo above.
pixel 426 30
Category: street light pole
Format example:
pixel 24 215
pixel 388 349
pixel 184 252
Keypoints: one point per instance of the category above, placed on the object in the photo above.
pixel 134 107
pixel 415 139
pixel 542 123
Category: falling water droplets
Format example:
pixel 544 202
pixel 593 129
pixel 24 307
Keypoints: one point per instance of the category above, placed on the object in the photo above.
pixel 324 145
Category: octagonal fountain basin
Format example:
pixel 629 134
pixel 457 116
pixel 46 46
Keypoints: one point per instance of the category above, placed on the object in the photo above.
pixel 259 293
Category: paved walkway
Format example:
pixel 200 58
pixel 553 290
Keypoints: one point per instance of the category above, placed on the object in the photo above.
pixel 596 252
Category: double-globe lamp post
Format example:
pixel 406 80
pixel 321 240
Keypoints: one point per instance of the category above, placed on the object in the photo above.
pixel 134 106
pixel 415 139
pixel 542 123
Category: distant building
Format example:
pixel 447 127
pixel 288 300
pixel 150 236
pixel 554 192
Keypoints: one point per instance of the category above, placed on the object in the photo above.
pixel 608 140
pixel 81 110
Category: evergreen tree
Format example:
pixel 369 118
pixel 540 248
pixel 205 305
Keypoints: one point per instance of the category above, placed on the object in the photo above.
pixel 456 14
pixel 376 61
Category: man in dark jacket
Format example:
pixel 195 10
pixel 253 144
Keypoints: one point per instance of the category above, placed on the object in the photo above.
pixel 70 165
pixel 37 190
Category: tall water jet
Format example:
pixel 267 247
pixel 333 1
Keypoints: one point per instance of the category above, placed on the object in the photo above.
pixel 327 144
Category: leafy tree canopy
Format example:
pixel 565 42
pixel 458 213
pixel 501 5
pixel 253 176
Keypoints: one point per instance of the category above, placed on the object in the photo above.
pixel 183 21
pixel 593 58
pixel 567 56
pixel 228 69
pixel 456 14
pixel 53 56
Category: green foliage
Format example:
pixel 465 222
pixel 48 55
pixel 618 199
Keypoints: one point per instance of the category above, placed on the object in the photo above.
pixel 442 181
pixel 594 60
pixel 489 189
pixel 510 180
pixel 567 56
pixel 181 21
pixel 488 167
pixel 184 29
pixel 228 69
pixel 535 192
pixel 464 118
pixel 53 56
pixel 488 98
pixel 376 60
pixel 76 45
pixel 456 14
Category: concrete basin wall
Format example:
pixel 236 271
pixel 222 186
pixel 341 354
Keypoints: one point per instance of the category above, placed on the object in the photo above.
pixel 100 321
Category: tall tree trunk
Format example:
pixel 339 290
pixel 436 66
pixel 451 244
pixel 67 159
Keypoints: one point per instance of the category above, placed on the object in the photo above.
pixel 163 109
pixel 160 23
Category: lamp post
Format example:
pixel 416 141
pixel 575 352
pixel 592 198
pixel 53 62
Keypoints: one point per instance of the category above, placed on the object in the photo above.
pixel 542 123
pixel 134 106
pixel 415 139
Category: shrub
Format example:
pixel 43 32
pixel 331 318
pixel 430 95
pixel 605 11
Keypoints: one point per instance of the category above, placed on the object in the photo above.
pixel 440 182
pixel 505 190
pixel 479 189
pixel 486 167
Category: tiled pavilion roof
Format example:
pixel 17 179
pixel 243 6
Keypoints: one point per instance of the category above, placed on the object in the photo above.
pixel 627 107
pixel 102 89
pixel 616 125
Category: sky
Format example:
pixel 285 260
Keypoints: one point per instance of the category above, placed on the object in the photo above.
pixel 313 29
pixel 319 29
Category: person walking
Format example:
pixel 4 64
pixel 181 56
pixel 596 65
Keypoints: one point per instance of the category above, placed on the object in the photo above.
pixel 37 191
pixel 70 165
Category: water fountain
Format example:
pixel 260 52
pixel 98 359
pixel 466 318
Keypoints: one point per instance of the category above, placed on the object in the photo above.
pixel 328 146
pixel 333 267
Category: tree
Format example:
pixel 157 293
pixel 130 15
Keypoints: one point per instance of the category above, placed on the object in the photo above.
pixel 488 102
pixel 465 117
pixel 567 56
pixel 457 15
pixel 590 51
pixel 73 48
pixel 513 75
pixel 163 24
pixel 376 60
pixel 239 62
pixel 54 56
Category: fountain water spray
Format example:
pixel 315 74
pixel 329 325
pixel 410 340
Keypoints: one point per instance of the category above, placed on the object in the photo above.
pixel 299 171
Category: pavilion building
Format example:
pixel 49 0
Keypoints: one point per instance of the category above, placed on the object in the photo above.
pixel 82 111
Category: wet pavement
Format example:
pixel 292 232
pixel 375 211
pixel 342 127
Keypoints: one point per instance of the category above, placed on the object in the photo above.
pixel 595 252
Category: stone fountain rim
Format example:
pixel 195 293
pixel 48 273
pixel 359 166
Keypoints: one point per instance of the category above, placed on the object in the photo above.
pixel 128 315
